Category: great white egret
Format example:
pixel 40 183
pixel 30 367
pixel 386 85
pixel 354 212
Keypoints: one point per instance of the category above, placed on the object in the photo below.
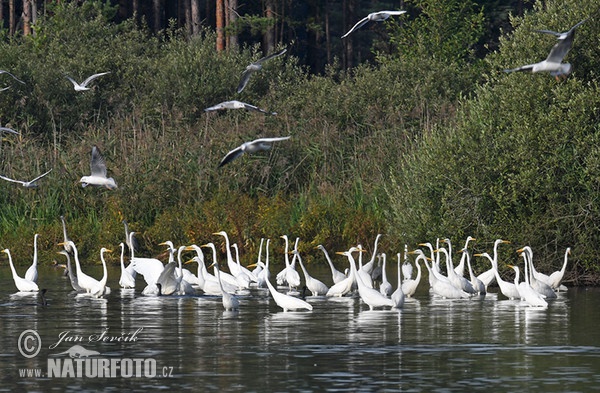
pixel 130 241
pixel 343 287
pixel 555 278
pixel 379 16
pixel 538 284
pixel 101 289
pixel 230 302
pixel 286 302
pixel 264 274
pixel 553 63
pixel 72 276
pixel 478 285
pixel 22 284
pixel 409 287
pixel 289 275
pixel 440 285
pixel 456 280
pixel 489 276
pixel 83 86
pixel 316 287
pixel 32 273
pixel 508 289
pixel 385 288
pixel 407 268
pixel 398 295
pixel 27 184
pixel 66 239
pixel 98 175
pixel 336 275
pixel 255 67
pixel 229 281
pixel 526 293
pixel 86 282
pixel 371 297
pixel 460 268
pixel 126 280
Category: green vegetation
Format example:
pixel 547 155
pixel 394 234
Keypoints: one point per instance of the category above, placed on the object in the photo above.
pixel 429 142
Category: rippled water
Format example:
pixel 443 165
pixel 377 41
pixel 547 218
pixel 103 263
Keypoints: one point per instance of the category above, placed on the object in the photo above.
pixel 432 345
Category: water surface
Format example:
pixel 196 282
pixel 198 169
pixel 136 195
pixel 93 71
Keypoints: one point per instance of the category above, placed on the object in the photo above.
pixel 432 345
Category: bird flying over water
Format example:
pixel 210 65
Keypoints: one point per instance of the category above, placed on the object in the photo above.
pixel 98 169
pixel 26 184
pixel 237 105
pixel 553 63
pixel 83 85
pixel 373 17
pixel 251 147
pixel 254 67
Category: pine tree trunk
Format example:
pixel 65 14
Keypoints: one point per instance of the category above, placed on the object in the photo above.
pixel 157 10
pixel 26 17
pixel 219 23
pixel 195 16
pixel 11 17
pixel 269 35
pixel 232 11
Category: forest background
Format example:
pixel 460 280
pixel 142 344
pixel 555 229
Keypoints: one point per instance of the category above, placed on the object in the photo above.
pixel 408 128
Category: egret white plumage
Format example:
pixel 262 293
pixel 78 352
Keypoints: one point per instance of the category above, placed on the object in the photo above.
pixel 398 295
pixel 83 86
pixel 477 284
pixel 86 282
pixel 556 278
pixel 26 184
pixel 336 275
pixel 127 280
pixel 255 67
pixel 456 280
pixel 32 273
pixel 251 147
pixel 385 288
pixel 66 240
pixel 379 16
pixel 98 175
pixel 407 268
pixel 526 293
pixel 22 284
pixel 101 290
pixel 460 268
pixel 72 276
pixel 508 289
pixel 409 287
pixel 316 287
pixel 538 284
pixel 289 275
pixel 230 302
pixel 369 296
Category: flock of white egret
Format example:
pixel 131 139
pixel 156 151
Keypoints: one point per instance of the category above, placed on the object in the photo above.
pixel 231 279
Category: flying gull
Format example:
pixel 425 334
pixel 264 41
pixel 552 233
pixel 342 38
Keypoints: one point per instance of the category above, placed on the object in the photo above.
pixel 553 63
pixel 237 105
pixel 26 184
pixel 98 169
pixel 83 85
pixel 250 147
pixel 373 17
pixel 14 77
pixel 9 130
pixel 254 67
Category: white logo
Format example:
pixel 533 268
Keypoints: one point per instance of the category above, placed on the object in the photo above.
pixel 29 343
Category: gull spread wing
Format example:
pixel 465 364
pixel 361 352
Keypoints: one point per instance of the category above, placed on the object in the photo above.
pixel 244 80
pixel 11 180
pixel 561 48
pixel 257 109
pixel 91 78
pixel 358 25
pixel 272 55
pixel 72 81
pixel 214 108
pixel 232 155
pixel 14 77
pixel 97 163
pixel 271 140
pixel 6 129
pixel 39 177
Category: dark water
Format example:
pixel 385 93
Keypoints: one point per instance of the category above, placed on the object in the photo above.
pixel 432 345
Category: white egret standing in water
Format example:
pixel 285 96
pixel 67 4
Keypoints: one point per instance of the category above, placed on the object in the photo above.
pixel 101 289
pixel 22 284
pixel 398 295
pixel 336 275
pixel 32 273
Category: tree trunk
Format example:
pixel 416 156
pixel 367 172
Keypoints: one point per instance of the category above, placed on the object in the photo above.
pixel 157 10
pixel 219 23
pixel 195 17
pixel 11 17
pixel 26 17
pixel 233 37
pixel 269 35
